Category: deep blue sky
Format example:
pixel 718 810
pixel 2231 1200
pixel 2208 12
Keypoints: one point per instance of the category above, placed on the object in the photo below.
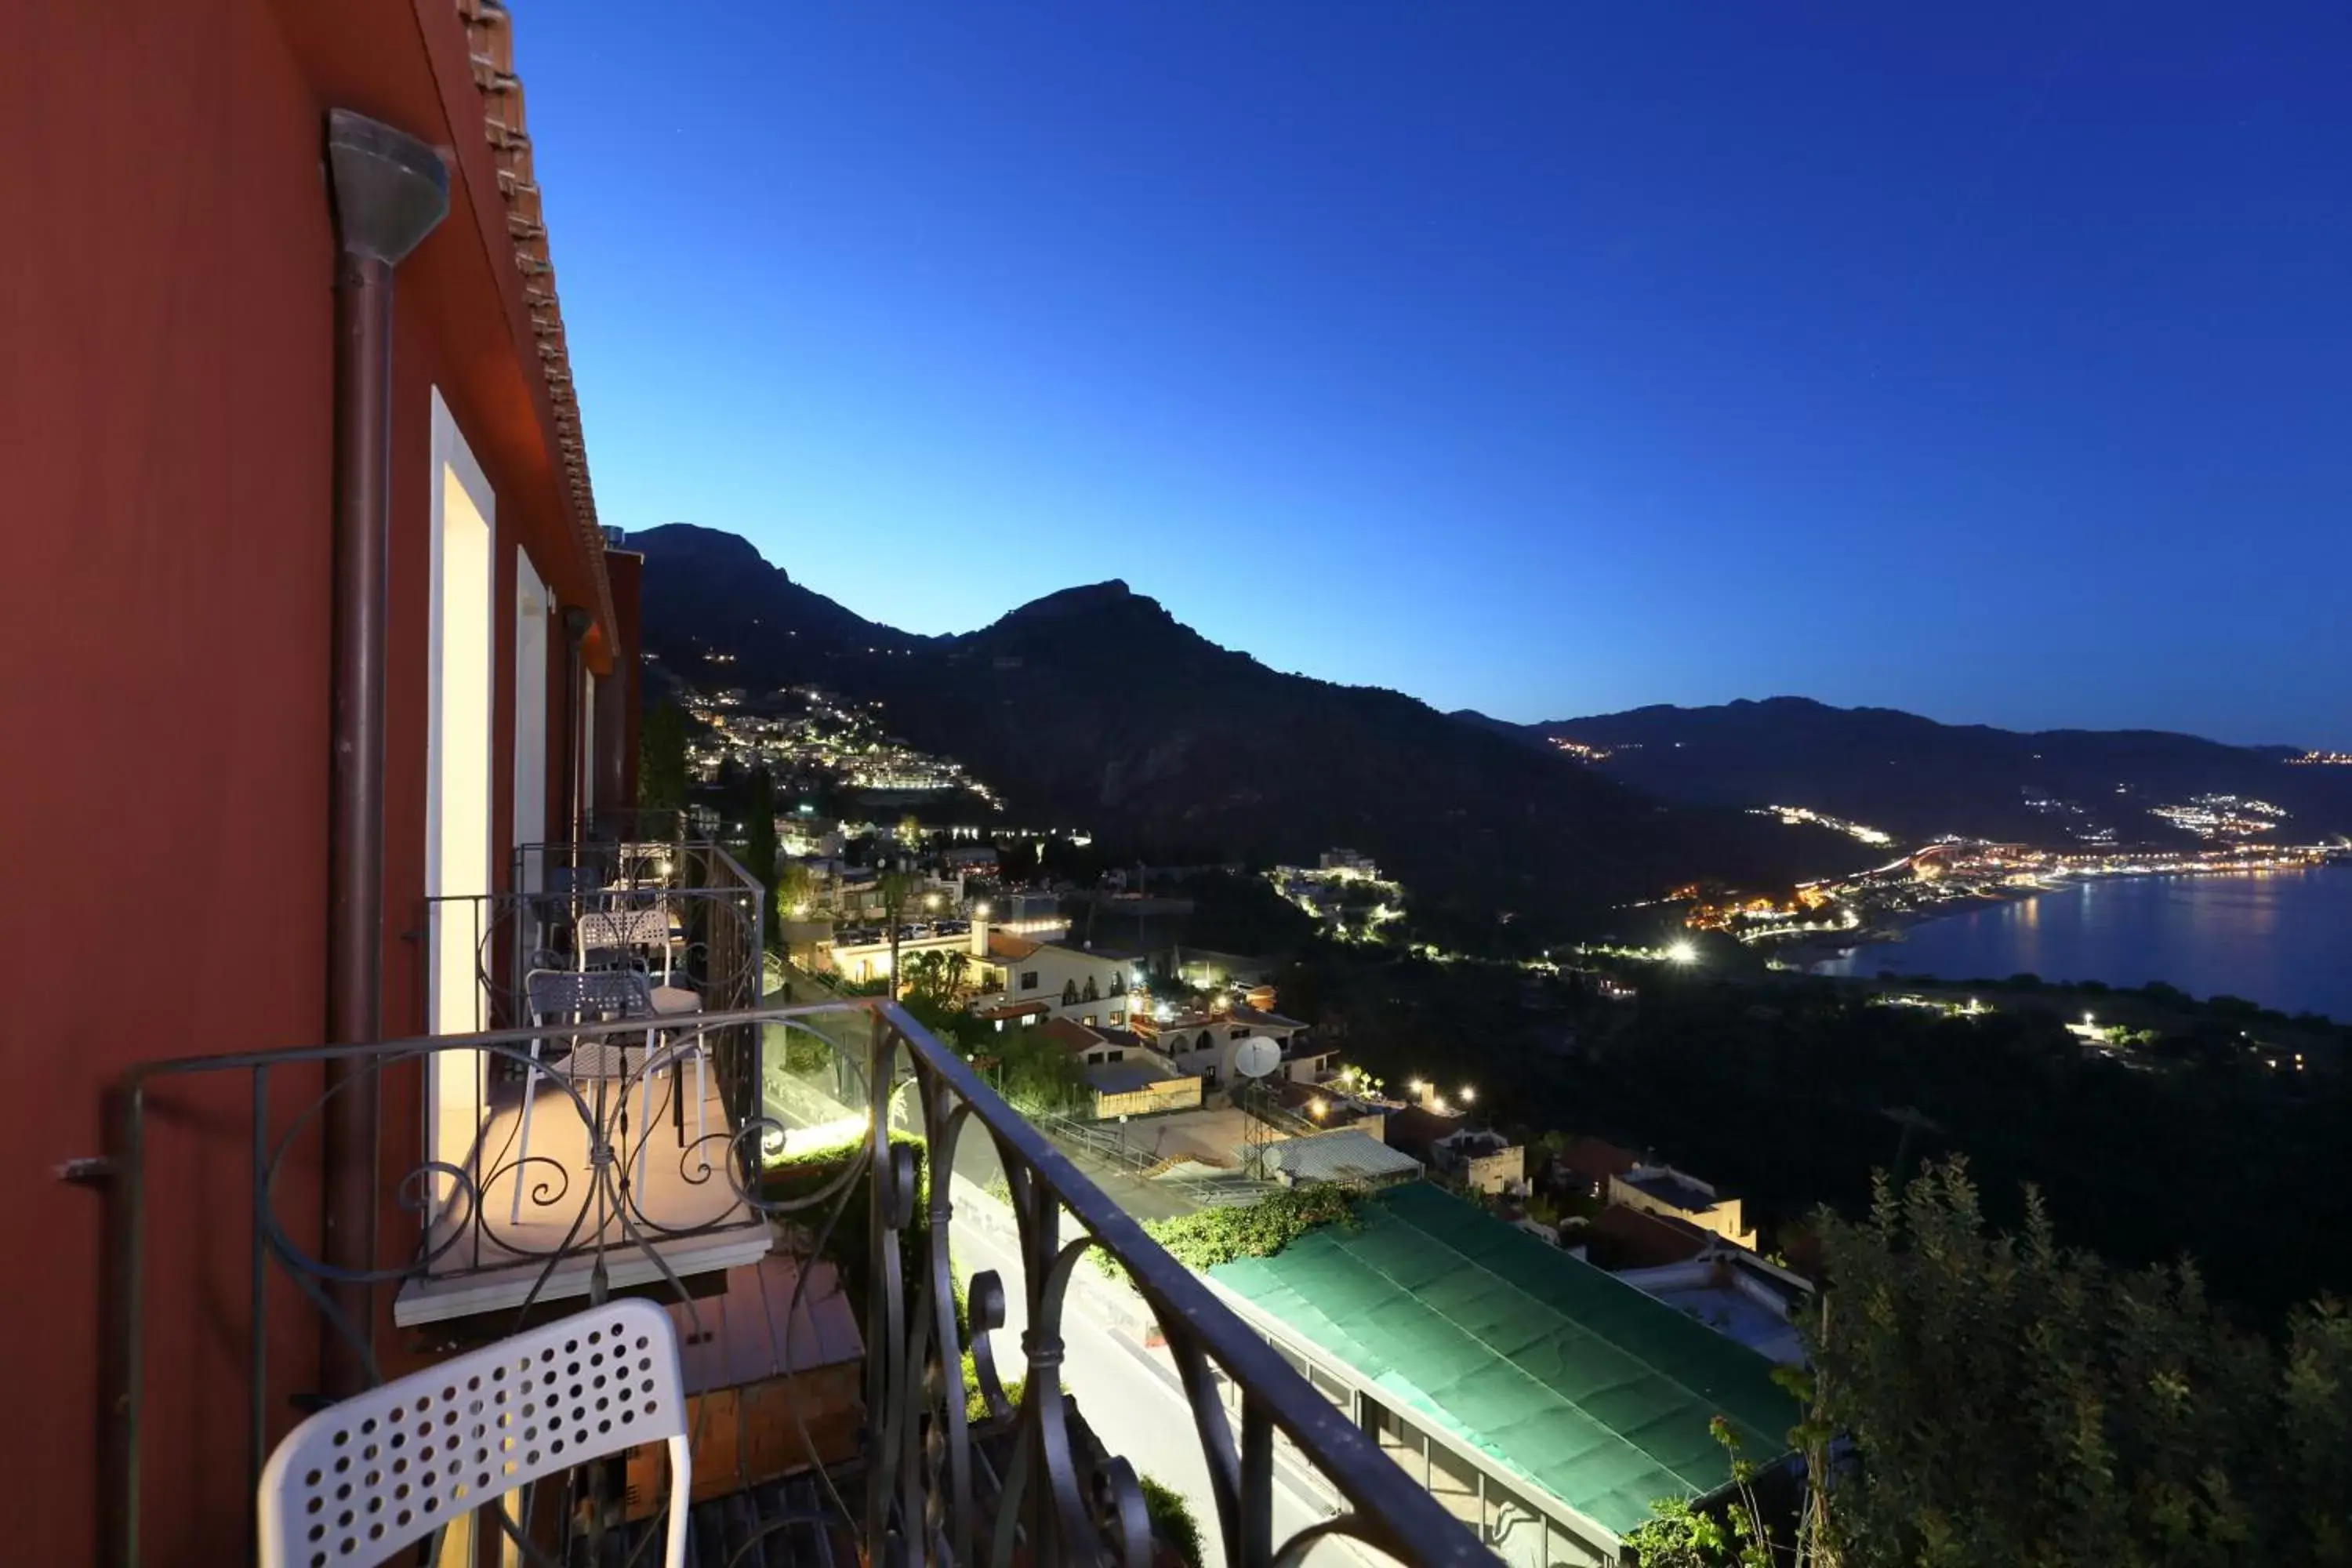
pixel 1993 362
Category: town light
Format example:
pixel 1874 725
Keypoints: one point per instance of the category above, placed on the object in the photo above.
pixel 1683 952
pixel 1318 1105
pixel 1469 1095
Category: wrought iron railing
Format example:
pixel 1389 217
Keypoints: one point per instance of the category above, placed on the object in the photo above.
pixel 716 944
pixel 929 1484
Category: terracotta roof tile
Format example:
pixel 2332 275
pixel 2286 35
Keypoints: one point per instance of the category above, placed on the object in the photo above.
pixel 1004 944
pixel 490 39
pixel 1620 1237
pixel 1070 1035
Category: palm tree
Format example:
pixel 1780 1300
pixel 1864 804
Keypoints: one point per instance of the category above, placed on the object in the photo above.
pixel 896 885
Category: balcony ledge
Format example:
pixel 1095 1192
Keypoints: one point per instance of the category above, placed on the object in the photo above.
pixel 428 1300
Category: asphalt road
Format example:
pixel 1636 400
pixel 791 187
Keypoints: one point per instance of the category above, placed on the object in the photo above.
pixel 1131 1399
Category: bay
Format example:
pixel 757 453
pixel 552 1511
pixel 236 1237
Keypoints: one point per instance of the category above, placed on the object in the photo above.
pixel 2280 937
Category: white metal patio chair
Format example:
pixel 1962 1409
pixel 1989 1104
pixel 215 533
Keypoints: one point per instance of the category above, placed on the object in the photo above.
pixel 560 996
pixel 643 934
pixel 381 1470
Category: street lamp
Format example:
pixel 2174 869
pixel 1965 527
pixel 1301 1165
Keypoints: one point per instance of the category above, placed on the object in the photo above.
pixel 1683 952
pixel 1469 1095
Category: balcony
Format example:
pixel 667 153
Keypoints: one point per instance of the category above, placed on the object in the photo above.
pixel 852 1394
pixel 595 993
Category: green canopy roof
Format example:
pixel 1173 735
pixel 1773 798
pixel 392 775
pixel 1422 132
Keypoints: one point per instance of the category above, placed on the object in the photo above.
pixel 1596 1393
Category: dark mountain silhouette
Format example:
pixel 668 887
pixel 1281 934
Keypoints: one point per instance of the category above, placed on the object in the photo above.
pixel 1917 779
pixel 1095 706
pixel 711 592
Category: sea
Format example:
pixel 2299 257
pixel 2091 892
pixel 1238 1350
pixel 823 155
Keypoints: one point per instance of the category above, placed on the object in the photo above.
pixel 2283 939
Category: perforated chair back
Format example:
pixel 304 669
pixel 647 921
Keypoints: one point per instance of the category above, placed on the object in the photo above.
pixel 578 996
pixel 625 931
pixel 373 1473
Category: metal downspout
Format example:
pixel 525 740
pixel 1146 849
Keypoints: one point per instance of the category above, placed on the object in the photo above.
pixel 389 190
pixel 576 763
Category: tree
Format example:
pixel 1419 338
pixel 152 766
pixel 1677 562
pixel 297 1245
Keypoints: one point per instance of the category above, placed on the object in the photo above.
pixel 1033 1071
pixel 2012 1402
pixel 795 889
pixel 935 979
pixel 661 758
pixel 760 849
pixel 895 884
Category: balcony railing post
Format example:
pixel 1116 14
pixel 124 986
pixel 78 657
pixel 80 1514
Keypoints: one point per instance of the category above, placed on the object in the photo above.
pixel 1037 1213
pixel 258 1345
pixel 118 1503
pixel 1255 1523
pixel 940 1126
pixel 883 1307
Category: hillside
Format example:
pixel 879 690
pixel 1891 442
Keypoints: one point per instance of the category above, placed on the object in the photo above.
pixel 1096 706
pixel 709 592
pixel 1917 779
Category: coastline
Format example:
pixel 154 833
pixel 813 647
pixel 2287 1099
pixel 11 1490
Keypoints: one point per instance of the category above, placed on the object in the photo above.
pixel 1890 927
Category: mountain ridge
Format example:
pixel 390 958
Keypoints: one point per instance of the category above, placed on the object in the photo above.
pixel 1920 778
pixel 1096 705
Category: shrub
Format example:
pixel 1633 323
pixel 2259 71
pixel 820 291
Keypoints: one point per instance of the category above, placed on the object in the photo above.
pixel 804 1173
pixel 1173 1522
pixel 2012 1401
pixel 1677 1535
pixel 975 1404
pixel 1259 1229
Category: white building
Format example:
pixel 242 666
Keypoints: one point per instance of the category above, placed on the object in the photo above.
pixel 866 956
pixel 1045 979
pixel 1205 1044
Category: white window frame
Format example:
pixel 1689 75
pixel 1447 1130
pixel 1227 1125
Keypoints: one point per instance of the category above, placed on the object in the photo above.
pixel 452 1123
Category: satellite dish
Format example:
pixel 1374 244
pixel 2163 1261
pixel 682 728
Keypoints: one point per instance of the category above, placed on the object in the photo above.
pixel 1256 1057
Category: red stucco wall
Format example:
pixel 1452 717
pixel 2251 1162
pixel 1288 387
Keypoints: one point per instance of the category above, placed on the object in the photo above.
pixel 169 375
pixel 166 402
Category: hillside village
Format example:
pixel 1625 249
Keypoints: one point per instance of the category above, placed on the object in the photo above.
pixel 1177 1080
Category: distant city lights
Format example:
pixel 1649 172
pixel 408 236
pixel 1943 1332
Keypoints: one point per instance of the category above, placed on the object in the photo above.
pixel 1792 816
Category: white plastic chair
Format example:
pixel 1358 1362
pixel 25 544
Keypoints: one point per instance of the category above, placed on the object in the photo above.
pixel 643 935
pixel 625 931
pixel 378 1471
